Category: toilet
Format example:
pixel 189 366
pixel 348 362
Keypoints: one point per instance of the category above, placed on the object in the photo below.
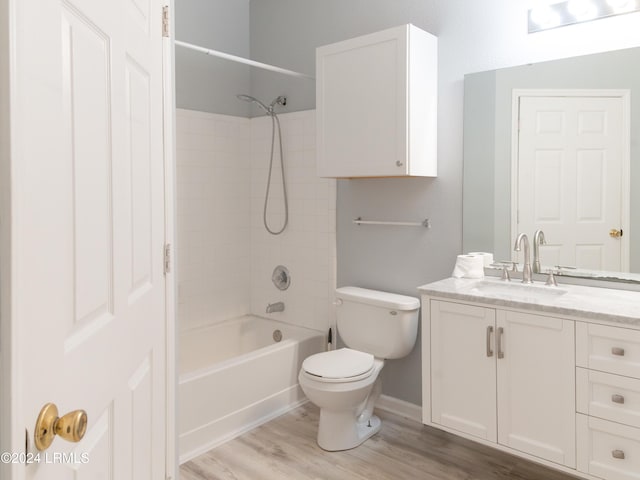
pixel 345 383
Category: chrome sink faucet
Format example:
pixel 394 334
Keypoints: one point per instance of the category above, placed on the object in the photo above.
pixel 526 271
pixel 538 239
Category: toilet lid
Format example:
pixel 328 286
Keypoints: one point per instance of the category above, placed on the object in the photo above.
pixel 342 363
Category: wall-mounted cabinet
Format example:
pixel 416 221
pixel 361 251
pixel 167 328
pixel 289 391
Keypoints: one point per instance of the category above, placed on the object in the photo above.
pixel 376 101
pixel 564 391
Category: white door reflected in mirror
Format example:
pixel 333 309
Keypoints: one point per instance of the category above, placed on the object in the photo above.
pixel 571 158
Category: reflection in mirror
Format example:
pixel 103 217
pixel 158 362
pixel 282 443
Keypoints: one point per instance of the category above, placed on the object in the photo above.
pixel 496 181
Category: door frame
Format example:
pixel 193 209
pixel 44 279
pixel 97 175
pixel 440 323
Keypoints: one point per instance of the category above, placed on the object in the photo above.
pixel 11 433
pixel 7 59
pixel 625 95
pixel 169 139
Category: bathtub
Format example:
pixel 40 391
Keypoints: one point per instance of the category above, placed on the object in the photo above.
pixel 234 376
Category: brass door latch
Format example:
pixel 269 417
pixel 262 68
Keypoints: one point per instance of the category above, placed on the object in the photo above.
pixel 71 426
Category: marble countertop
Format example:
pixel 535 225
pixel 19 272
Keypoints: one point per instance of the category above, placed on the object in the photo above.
pixel 590 303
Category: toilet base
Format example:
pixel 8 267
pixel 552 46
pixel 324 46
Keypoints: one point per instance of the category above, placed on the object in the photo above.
pixel 338 430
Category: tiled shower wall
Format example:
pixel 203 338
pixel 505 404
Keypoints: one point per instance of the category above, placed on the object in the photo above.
pixel 225 256
pixel 214 211
pixel 307 246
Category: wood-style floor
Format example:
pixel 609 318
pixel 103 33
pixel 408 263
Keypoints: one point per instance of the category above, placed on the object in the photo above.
pixel 286 448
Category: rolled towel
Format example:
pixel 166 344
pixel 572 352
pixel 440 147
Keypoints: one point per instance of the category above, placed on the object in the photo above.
pixel 469 266
pixel 488 257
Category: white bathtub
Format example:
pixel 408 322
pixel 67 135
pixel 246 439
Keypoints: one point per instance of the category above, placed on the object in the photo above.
pixel 234 376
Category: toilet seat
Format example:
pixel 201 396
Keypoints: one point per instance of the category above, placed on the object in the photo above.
pixel 343 365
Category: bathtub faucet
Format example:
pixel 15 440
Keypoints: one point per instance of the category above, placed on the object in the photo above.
pixel 275 307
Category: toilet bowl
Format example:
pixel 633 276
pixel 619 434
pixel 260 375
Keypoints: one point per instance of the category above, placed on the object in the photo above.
pixel 346 402
pixel 345 383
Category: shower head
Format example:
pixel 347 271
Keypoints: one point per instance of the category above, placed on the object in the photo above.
pixel 280 100
pixel 250 99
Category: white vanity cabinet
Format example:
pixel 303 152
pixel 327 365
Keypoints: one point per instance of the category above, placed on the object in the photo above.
pixel 608 401
pixel 504 376
pixel 376 105
pixel 463 372
pixel 548 373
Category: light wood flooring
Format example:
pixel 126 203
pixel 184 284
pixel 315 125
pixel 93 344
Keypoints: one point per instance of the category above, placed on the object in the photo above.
pixel 286 448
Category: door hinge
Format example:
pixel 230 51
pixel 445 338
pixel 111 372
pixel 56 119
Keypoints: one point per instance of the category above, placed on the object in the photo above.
pixel 165 21
pixel 167 258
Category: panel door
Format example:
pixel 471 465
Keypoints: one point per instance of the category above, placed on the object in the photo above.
pixel 362 106
pixel 570 155
pixel 88 291
pixel 463 368
pixel 536 386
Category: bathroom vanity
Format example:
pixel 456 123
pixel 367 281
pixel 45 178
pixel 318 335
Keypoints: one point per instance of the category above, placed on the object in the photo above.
pixel 548 373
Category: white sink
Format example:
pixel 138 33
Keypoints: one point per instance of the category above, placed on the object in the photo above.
pixel 515 290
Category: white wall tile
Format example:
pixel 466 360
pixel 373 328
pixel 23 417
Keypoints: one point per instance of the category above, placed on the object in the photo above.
pixel 214 244
pixel 225 255
pixel 304 247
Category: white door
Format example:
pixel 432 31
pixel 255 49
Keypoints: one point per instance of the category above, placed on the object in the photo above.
pixel 570 180
pixel 88 291
pixel 536 386
pixel 463 368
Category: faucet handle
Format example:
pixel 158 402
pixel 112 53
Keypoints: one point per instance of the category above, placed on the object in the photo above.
pixel 505 274
pixel 506 263
pixel 551 280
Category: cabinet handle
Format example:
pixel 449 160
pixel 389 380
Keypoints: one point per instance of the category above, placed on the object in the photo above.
pixel 499 342
pixel 489 332
pixel 617 351
pixel 619 454
pixel 615 398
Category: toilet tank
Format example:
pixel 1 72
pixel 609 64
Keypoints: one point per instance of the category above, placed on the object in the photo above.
pixel 381 323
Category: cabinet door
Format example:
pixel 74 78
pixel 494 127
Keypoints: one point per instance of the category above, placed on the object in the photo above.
pixel 463 371
pixel 361 94
pixel 536 385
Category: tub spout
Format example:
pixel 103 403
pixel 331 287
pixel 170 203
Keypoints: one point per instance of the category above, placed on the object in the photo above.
pixel 275 307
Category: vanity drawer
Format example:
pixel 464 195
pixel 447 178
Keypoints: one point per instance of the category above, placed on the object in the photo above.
pixel 607 449
pixel 608 349
pixel 611 397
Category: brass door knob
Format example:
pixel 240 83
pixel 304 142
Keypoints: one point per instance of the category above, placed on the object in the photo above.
pixel 615 233
pixel 71 427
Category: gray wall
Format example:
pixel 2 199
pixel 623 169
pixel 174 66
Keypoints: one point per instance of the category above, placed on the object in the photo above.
pixel 473 36
pixel 286 33
pixel 207 83
pixel 478 217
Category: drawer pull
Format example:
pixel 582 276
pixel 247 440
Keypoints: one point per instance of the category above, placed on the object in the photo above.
pixel 615 398
pixel 617 351
pixel 619 454
pixel 489 332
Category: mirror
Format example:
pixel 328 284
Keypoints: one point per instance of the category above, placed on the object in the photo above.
pixel 488 156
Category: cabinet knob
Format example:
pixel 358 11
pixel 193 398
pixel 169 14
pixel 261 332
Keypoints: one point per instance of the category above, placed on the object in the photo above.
pixel 619 454
pixel 615 398
pixel 617 351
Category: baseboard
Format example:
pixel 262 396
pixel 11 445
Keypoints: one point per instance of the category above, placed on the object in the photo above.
pixel 400 407
pixel 195 443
